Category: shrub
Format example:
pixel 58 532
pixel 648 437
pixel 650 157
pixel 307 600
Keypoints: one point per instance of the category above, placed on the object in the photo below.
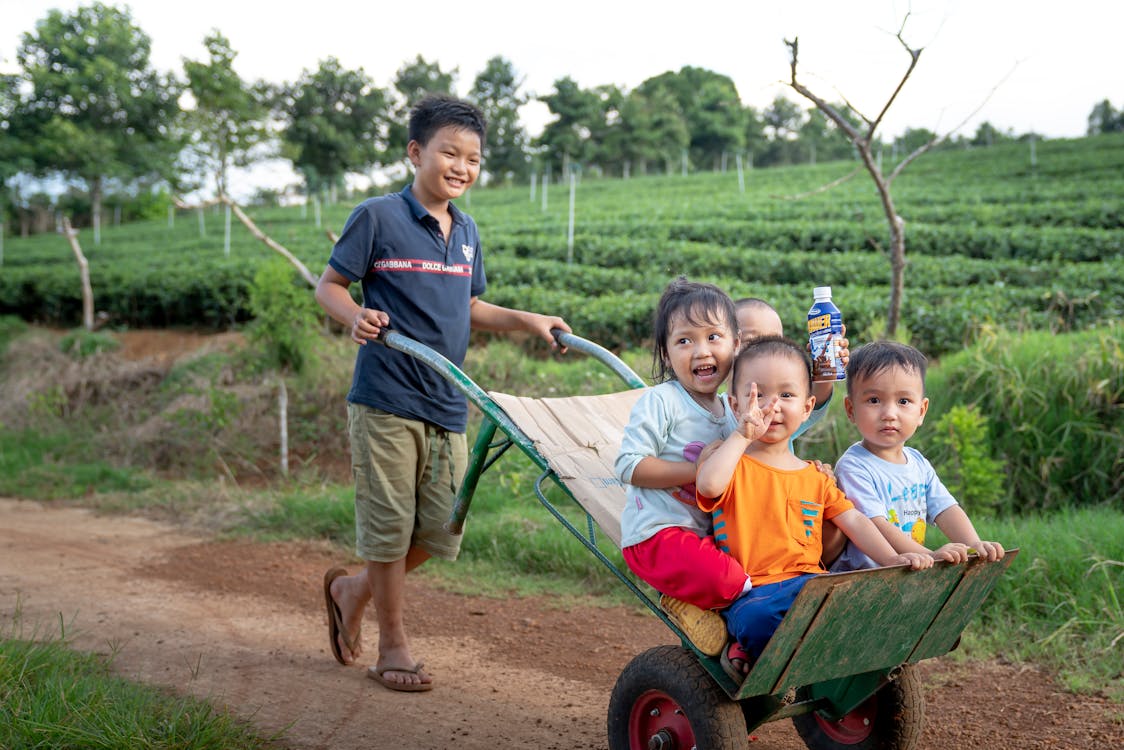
pixel 1055 407
pixel 81 343
pixel 285 316
pixel 962 450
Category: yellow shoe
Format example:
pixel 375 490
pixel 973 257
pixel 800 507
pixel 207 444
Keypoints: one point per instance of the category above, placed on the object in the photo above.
pixel 703 627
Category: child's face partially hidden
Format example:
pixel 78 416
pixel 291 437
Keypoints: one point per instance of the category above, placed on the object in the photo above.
pixel 785 377
pixel 446 166
pixel 700 354
pixel 887 407
pixel 756 321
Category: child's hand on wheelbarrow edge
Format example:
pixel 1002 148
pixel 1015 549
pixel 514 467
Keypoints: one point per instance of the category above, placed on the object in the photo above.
pixel 914 560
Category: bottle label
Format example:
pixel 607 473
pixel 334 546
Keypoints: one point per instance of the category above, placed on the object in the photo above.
pixel 819 323
pixel 826 365
pixel 825 330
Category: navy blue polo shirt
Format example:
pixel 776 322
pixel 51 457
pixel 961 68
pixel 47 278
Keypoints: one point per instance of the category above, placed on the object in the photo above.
pixel 394 248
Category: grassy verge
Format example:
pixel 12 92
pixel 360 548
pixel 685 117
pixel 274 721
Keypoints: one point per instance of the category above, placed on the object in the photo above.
pixel 53 466
pixel 54 697
pixel 1060 604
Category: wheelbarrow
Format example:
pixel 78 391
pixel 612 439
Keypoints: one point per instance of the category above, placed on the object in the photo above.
pixel 839 666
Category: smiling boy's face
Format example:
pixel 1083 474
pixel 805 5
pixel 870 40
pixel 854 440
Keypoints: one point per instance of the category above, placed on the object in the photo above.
pixel 780 375
pixel 887 406
pixel 446 166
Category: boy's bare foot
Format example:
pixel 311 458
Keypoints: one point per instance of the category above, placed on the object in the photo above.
pixel 390 672
pixel 345 612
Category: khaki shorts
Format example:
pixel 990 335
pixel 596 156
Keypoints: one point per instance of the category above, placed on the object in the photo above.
pixel 406 478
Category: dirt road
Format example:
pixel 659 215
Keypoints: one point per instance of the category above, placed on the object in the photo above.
pixel 243 624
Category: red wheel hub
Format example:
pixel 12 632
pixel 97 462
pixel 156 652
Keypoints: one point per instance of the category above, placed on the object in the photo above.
pixel 656 722
pixel 854 727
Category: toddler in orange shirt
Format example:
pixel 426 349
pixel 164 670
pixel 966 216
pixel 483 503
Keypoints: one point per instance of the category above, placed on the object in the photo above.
pixel 769 506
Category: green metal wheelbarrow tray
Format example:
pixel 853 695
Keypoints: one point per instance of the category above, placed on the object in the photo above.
pixel 839 664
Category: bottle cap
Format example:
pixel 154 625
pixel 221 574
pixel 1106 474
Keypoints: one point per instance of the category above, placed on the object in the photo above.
pixel 822 292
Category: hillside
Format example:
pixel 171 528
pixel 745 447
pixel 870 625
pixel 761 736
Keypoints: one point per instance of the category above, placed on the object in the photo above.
pixel 990 237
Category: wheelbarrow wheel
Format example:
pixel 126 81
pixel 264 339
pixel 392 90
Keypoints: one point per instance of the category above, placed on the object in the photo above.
pixel 665 700
pixel 891 719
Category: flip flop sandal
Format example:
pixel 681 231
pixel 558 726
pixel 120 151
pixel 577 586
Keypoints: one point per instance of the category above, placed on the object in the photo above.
pixel 405 687
pixel 336 628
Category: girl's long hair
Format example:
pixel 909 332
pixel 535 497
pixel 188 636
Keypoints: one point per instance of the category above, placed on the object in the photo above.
pixel 696 301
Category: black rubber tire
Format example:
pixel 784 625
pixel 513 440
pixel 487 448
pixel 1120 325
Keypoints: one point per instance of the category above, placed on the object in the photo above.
pixel 666 690
pixel 896 716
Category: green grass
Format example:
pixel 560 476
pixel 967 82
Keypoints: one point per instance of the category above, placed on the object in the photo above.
pixel 1060 604
pixel 10 327
pixel 52 696
pixel 54 466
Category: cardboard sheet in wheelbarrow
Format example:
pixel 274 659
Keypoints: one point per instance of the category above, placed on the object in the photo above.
pixel 579 437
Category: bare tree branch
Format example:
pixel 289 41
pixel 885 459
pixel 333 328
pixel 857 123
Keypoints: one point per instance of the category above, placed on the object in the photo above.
pixel 179 203
pixel 827 109
pixel 853 108
pixel 270 242
pixel 863 144
pixel 936 141
pixel 914 56
pixel 83 273
pixel 821 188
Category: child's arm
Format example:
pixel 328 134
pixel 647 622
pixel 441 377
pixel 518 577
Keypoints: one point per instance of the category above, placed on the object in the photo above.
pixel 716 469
pixel 903 542
pixel 659 473
pixel 866 536
pixel 485 316
pixel 333 295
pixel 638 462
pixel 956 525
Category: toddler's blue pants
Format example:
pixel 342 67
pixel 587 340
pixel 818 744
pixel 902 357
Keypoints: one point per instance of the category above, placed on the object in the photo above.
pixel 753 617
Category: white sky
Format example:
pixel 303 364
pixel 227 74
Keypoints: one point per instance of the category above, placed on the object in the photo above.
pixel 1051 61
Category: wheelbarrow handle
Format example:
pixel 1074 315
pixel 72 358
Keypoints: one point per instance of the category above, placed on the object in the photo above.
pixel 600 353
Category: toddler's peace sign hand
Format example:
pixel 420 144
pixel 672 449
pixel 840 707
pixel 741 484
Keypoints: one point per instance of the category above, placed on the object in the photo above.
pixel 755 420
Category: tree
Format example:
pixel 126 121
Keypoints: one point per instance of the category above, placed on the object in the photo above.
pixel 98 108
pixel 1105 119
pixel 989 135
pixel 813 137
pixel 14 157
pixel 782 120
pixel 413 81
pixel 716 118
pixel 604 125
pixel 335 124
pixel 576 110
pixel 913 139
pixel 229 116
pixel 755 140
pixel 863 139
pixel 496 92
pixel 710 106
pixel 651 127
pixel 819 139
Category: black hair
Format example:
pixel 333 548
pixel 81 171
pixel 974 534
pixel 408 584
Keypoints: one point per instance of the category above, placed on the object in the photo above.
pixel 435 111
pixel 878 356
pixel 771 346
pixel 696 301
pixel 754 303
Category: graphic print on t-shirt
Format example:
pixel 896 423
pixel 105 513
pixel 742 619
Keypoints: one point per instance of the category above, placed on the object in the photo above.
pixel 414 265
